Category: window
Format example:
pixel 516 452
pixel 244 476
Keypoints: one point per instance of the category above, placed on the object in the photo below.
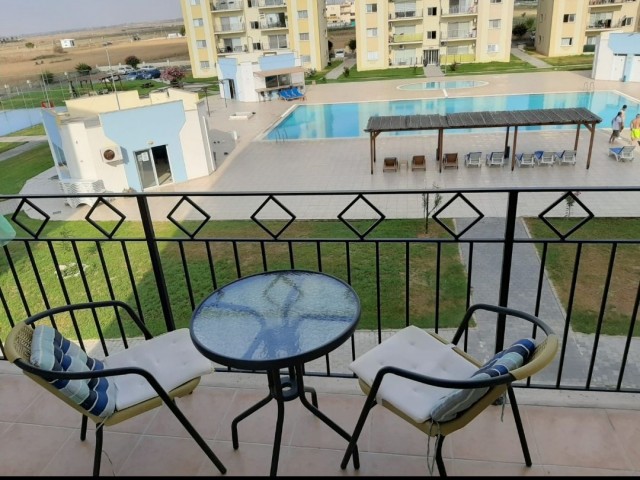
pixel 278 41
pixel 305 58
pixel 197 22
pixel 257 46
pixel 371 56
pixel 204 65
pixel 496 1
pixel 255 25
pixel 201 43
pixel 275 81
pixel 304 36
pixel 566 42
pixel 195 2
pixel 494 23
pixel 493 48
pixel 432 11
pixel 372 7
pixel 625 22
pixel 569 18
pixel 432 34
pixel 372 32
pixel 303 14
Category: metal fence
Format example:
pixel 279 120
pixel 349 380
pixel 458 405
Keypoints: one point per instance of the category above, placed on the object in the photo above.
pixel 416 257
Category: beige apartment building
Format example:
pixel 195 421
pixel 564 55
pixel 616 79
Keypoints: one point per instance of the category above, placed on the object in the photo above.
pixel 340 12
pixel 249 29
pixel 572 27
pixel 394 33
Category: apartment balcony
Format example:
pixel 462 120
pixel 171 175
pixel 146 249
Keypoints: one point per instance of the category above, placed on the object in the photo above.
pixel 580 415
pixel 226 6
pixel 606 24
pixel 271 4
pixel 406 38
pixel 453 35
pixel 228 50
pixel 222 29
pixel 411 16
pixel 461 10
pixel 273 25
pixel 598 4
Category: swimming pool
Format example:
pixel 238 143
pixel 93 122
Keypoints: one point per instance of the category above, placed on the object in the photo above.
pixel 448 85
pixel 348 120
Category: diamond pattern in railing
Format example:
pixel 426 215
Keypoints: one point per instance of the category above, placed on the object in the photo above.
pixel 102 201
pixel 267 203
pixel 447 205
pixel 204 221
pixel 571 199
pixel 44 221
pixel 342 218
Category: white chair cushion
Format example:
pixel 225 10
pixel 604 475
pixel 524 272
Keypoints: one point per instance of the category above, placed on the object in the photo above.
pixel 415 350
pixel 171 358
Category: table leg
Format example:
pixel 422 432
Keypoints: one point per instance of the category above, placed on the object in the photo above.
pixel 245 414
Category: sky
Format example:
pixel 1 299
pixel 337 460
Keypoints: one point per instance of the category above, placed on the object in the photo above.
pixel 22 17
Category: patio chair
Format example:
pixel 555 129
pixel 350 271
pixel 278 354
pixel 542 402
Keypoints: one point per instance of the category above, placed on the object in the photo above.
pixel 566 157
pixel 473 158
pixel 545 158
pixel 285 94
pixel 495 158
pixel 123 385
pixel 622 154
pixel 526 159
pixel 418 162
pixel 450 160
pixel 390 164
pixel 438 388
pixel 297 93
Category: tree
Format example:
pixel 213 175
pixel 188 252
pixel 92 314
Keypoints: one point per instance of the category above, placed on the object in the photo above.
pixel 174 76
pixel 29 45
pixel 132 61
pixel 330 45
pixel 83 69
pixel 183 31
pixel 352 44
pixel 519 30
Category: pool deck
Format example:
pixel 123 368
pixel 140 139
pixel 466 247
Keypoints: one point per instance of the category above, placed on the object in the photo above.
pixel 344 164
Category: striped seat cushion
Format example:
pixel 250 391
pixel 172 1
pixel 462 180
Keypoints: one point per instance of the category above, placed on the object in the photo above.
pixel 459 400
pixel 51 351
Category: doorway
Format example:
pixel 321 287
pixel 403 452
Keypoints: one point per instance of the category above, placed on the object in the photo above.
pixel 431 57
pixel 153 167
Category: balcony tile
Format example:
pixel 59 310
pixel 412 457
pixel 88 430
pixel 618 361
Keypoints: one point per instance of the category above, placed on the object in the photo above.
pixel 625 425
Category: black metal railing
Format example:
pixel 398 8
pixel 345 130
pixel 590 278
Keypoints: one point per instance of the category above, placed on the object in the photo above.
pixel 570 256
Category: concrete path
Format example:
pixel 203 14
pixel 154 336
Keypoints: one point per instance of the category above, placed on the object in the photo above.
pixel 336 72
pixel 522 55
pixel 32 142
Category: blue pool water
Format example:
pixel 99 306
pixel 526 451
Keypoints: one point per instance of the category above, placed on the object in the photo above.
pixel 348 120
pixel 448 85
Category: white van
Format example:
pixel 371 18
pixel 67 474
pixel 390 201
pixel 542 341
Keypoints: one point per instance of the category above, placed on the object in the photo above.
pixel 339 53
pixel 125 69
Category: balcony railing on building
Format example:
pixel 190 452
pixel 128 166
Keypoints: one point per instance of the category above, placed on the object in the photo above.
pixel 162 263
pixel 409 15
pixel 462 34
pixel 605 3
pixel 470 9
pixel 233 49
pixel 406 38
pixel 228 5
pixel 238 26
pixel 265 25
pixel 271 3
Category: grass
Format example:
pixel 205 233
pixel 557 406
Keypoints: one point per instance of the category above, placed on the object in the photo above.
pixel 389 293
pixel 568 61
pixel 29 131
pixel 387 74
pixel 6 146
pixel 514 65
pixel 15 171
pixel 320 76
pixel 593 267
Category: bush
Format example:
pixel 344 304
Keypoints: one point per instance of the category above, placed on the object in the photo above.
pixel 47 77
pixel 174 76
pixel 132 61
pixel 29 45
pixel 346 71
pixel 83 69
pixel 519 30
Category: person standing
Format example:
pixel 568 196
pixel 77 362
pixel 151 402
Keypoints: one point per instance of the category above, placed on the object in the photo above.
pixel 623 113
pixel 616 127
pixel 635 130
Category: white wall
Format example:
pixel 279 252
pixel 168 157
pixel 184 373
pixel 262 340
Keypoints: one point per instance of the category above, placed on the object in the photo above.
pixel 193 146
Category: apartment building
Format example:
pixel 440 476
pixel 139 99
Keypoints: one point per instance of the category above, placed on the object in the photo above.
pixel 572 27
pixel 340 13
pixel 249 29
pixel 393 33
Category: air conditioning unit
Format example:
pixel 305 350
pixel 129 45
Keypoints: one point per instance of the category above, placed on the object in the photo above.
pixel 400 47
pixel 475 20
pixel 111 153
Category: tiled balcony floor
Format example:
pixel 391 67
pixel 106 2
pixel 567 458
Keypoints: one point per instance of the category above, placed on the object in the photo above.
pixel 568 434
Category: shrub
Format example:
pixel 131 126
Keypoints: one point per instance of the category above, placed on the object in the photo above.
pixel 346 71
pixel 29 45
pixel 174 76
pixel 132 61
pixel 83 69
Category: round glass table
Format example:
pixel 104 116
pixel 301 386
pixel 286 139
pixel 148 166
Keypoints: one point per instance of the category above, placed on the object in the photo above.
pixel 272 321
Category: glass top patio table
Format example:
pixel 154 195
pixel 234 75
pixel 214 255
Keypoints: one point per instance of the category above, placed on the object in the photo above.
pixel 272 321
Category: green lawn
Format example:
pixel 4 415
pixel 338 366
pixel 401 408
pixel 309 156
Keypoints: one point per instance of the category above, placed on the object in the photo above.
pixel 514 65
pixel 29 131
pixel 387 74
pixel 380 282
pixel 15 171
pixel 593 271
pixel 6 146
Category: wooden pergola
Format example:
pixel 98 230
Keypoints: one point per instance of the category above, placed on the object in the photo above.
pixel 508 119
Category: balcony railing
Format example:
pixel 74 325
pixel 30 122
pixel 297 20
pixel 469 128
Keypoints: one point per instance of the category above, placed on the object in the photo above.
pixel 233 27
pixel 406 38
pixel 414 14
pixel 164 252
pixel 604 3
pixel 228 5
pixel 461 10
pixel 234 49
pixel 271 3
pixel 458 34
pixel 267 25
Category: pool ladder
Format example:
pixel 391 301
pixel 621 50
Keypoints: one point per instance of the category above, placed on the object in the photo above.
pixel 281 136
pixel 589 87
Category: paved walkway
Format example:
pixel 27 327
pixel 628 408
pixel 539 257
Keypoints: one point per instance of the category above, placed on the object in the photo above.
pixel 522 55
pixel 32 142
pixel 339 70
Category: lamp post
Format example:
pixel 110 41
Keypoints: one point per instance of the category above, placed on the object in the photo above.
pixel 113 82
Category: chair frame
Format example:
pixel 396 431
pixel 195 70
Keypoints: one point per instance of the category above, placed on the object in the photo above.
pixel 543 355
pixel 473 158
pixel 526 159
pixel 17 350
pixel 566 157
pixel 450 160
pixel 390 164
pixel 621 155
pixel 418 162
pixel 495 158
pixel 545 158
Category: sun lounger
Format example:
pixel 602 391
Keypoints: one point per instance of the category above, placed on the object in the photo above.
pixel 495 158
pixel 418 162
pixel 473 158
pixel 390 164
pixel 545 158
pixel 526 159
pixel 566 157
pixel 450 160
pixel 622 154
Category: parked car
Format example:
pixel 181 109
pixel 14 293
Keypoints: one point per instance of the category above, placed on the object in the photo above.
pixel 135 75
pixel 149 74
pixel 125 70
pixel 148 67
pixel 339 53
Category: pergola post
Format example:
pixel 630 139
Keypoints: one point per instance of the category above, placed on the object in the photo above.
pixel 515 146
pixel 439 149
